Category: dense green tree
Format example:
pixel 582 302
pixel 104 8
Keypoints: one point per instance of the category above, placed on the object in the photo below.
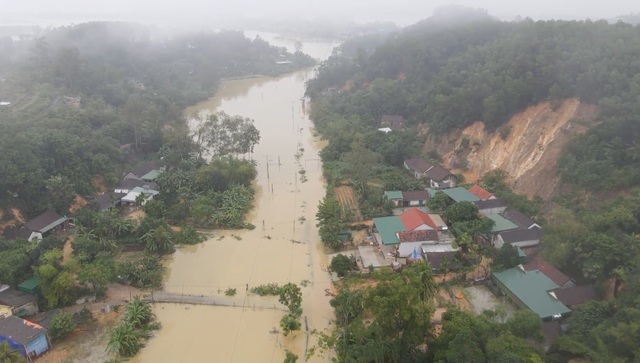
pixel 342 265
pixel 225 135
pixel 506 257
pixel 62 324
pixel 329 223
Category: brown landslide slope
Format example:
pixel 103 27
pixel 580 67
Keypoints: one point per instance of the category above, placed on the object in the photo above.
pixel 530 152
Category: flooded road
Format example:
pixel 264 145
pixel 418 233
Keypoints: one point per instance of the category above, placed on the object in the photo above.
pixel 284 247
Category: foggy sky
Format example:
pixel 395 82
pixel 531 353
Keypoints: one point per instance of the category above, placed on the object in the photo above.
pixel 197 13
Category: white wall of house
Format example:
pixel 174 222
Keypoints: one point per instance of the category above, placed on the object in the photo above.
pixel 422 227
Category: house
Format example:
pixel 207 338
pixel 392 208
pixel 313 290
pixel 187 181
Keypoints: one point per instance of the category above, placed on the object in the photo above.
pixel 530 290
pixel 393 122
pixel 148 170
pixel 46 223
pixel 438 254
pixel 440 178
pixel 576 295
pixel 500 224
pixel 490 206
pixel 30 339
pixel 415 219
pixel 415 198
pixel 127 185
pixel 20 303
pixel 460 195
pixel 520 219
pixel 394 197
pixel 386 229
pixel 563 281
pixel 14 233
pixel 418 166
pixel 131 198
pixel 481 193
pixel 410 240
pixel 519 237
pixel 30 286
pixel 109 200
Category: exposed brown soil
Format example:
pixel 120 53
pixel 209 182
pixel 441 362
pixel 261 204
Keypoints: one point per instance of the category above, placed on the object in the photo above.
pixel 13 222
pixel 530 152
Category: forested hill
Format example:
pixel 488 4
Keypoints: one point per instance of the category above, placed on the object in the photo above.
pixel 74 96
pixel 448 75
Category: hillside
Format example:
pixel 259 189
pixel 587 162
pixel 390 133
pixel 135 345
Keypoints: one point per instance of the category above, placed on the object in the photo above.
pixel 530 151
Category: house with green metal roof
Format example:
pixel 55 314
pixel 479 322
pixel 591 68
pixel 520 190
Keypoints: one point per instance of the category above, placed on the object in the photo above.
pixel 30 286
pixel 460 195
pixel 394 196
pixel 501 224
pixel 531 290
pixel 386 229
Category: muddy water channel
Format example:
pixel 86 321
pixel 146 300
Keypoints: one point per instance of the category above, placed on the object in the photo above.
pixel 284 247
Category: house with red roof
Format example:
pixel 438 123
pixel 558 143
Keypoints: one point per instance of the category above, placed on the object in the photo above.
pixel 481 193
pixel 415 219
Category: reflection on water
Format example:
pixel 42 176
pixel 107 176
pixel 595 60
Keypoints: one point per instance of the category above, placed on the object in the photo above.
pixel 284 246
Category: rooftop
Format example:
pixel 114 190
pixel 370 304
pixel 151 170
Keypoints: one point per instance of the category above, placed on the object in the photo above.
pixel 417 164
pixel 532 289
pixel 520 235
pixel 393 194
pixel 480 192
pixel 152 175
pixel 414 218
pixel 415 195
pixel 30 284
pixel 145 167
pixel 500 223
pixel 576 295
pixel 387 228
pixel 551 272
pixel 15 298
pixel 45 222
pixel 490 204
pixel 418 236
pixel 13 233
pixel 460 195
pixel 19 330
pixel 518 218
pixel 438 173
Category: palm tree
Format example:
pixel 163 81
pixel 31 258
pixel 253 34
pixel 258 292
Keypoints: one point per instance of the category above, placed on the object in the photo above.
pixel 139 312
pixel 158 240
pixel 8 355
pixel 125 340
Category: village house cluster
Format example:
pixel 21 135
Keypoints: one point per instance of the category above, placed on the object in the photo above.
pixel 414 233
pixel 21 323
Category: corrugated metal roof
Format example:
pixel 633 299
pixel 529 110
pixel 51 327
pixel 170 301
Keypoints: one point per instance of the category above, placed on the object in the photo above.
pixel 480 192
pixel 387 228
pixel 460 195
pixel 532 288
pixel 393 194
pixel 501 223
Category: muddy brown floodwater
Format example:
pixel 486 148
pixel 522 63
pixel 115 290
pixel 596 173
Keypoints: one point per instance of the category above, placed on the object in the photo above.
pixel 284 247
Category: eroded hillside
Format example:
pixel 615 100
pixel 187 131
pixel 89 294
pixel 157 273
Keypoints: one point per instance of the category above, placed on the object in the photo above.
pixel 530 151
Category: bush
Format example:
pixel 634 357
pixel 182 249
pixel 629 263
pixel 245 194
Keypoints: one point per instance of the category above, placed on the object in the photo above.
pixel 268 289
pixel 342 265
pixel 62 325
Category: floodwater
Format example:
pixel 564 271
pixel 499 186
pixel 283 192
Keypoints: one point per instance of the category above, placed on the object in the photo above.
pixel 284 247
